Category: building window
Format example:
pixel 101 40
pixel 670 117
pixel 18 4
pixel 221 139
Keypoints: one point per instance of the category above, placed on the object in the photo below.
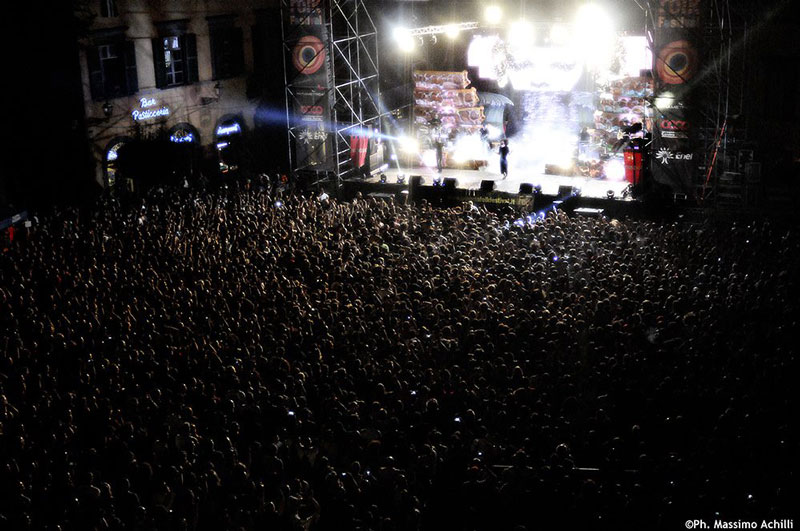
pixel 175 60
pixel 184 133
pixel 112 70
pixel 108 8
pixel 227 48
pixel 111 160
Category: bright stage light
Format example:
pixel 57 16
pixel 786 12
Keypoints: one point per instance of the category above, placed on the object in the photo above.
pixel 595 37
pixel 468 147
pixel 521 40
pixel 520 33
pixel 409 145
pixel 494 132
pixel 404 39
pixel 665 100
pixel 637 55
pixel 481 54
pixel 429 158
pixel 452 31
pixel 493 14
pixel 559 34
pixel 615 170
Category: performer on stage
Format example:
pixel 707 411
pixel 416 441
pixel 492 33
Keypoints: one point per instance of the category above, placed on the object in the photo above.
pixel 504 158
pixel 439 155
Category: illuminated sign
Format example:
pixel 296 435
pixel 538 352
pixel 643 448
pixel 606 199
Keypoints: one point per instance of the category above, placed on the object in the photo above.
pixel 182 135
pixel 229 129
pixel 148 110
pixel 113 154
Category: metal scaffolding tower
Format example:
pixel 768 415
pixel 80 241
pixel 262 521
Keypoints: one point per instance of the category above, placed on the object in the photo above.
pixel 352 90
pixel 717 93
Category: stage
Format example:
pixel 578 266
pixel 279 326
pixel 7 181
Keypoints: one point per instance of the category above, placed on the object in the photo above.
pixel 471 180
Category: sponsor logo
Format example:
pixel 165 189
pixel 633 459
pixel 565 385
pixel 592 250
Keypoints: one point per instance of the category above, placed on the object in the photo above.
pixel 673 134
pixel 665 155
pixel 674 125
pixel 312 109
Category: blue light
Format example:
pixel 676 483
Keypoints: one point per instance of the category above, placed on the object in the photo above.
pixel 278 204
pixel 555 258
pixel 229 129
pixel 181 136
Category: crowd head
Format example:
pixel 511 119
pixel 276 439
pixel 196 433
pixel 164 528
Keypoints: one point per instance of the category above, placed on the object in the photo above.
pixel 235 360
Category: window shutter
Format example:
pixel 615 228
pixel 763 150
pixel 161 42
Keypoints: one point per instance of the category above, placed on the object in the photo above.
pixel 190 41
pixel 95 73
pixel 131 77
pixel 216 55
pixel 159 64
pixel 237 52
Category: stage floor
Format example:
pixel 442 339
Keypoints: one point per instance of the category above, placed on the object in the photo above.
pixel 471 180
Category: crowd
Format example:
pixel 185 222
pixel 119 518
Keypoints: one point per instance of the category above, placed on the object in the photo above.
pixel 235 360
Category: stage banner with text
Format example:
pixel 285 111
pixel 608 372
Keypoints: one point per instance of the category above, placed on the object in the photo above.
pixel 676 63
pixel 309 83
pixel 312 137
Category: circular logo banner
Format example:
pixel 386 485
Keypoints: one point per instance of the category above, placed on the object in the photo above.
pixel 677 62
pixel 308 55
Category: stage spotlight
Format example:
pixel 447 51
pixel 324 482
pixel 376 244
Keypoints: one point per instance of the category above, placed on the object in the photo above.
pixel 437 181
pixel 665 100
pixel 559 34
pixel 521 42
pixel 595 36
pixel 537 189
pixel 452 31
pixel 404 39
pixel 521 34
pixel 610 194
pixel 409 145
pixel 493 14
pixel 614 170
pixel 401 179
pixel 429 158
pixel 383 178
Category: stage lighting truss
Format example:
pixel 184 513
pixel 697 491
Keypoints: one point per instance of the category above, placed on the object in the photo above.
pixel 448 29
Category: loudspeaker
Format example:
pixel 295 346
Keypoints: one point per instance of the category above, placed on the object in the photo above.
pixel 487 185
pixel 525 188
pixel 450 183
pixel 416 180
pixel 564 191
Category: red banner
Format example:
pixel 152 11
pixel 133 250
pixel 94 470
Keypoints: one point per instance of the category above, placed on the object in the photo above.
pixel 358 150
